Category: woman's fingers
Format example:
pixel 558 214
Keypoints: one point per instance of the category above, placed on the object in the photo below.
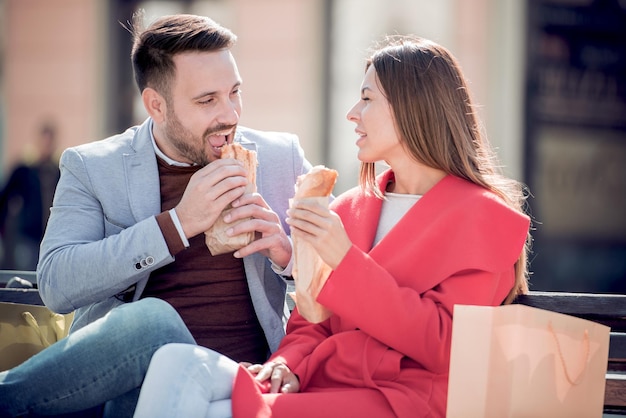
pixel 280 377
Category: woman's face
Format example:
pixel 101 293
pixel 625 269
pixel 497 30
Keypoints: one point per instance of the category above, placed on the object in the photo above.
pixel 378 138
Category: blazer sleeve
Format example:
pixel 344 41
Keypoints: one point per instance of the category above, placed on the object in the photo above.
pixel 85 256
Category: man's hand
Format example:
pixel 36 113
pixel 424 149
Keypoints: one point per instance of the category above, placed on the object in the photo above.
pixel 209 191
pixel 271 240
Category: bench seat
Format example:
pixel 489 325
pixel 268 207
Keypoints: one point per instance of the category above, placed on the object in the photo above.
pixel 606 309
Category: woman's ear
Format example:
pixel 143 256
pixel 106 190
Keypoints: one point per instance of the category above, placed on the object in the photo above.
pixel 154 104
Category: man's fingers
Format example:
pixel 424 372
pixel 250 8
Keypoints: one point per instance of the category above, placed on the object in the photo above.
pixel 252 211
pixel 251 199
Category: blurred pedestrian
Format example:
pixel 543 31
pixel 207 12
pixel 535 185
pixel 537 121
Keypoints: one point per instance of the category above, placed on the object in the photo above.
pixel 25 203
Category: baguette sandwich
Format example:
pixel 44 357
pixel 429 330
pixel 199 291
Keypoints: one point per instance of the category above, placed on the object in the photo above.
pixel 216 239
pixel 309 271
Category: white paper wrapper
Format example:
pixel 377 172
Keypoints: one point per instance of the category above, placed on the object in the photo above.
pixel 309 274
pixel 219 243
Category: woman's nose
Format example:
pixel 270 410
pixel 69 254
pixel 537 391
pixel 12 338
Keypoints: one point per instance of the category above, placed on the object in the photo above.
pixel 353 114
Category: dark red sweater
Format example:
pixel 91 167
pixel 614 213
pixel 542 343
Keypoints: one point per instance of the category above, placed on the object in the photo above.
pixel 209 292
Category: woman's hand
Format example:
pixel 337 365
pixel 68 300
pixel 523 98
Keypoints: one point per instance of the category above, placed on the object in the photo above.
pixel 281 378
pixel 320 227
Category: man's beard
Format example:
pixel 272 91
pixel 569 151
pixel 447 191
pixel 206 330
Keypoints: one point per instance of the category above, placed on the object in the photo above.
pixel 186 143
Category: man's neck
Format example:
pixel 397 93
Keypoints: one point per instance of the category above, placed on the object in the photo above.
pixel 161 154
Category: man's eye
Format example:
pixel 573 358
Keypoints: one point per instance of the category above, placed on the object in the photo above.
pixel 207 101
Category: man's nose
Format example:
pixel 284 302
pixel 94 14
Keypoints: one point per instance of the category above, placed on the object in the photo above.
pixel 229 113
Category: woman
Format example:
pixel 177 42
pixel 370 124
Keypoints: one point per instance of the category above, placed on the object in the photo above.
pixel 440 227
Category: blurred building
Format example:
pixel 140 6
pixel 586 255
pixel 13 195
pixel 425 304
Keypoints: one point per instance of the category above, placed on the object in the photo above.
pixel 549 76
pixel 575 141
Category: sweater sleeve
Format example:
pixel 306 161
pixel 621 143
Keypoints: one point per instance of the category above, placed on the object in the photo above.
pixel 170 233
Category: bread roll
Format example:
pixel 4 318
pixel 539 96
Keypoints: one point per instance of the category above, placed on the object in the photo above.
pixel 247 157
pixel 318 182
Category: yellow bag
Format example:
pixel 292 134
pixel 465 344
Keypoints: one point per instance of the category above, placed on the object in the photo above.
pixel 25 330
pixel 520 361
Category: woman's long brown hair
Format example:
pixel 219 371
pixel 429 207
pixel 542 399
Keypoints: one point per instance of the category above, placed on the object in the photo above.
pixel 438 124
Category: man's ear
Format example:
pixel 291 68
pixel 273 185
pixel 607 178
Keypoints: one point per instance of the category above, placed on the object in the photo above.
pixel 154 104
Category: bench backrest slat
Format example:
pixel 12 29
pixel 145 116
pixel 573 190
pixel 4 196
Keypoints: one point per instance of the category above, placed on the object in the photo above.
pixel 606 309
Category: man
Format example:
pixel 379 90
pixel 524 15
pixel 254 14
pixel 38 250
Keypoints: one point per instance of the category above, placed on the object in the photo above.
pixel 128 223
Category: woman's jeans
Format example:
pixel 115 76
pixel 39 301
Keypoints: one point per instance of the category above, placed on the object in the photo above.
pixel 98 368
pixel 187 381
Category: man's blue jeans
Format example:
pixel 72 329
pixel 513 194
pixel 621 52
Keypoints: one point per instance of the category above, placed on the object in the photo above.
pixel 99 368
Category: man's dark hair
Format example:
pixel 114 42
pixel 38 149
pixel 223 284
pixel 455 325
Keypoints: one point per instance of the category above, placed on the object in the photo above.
pixel 155 46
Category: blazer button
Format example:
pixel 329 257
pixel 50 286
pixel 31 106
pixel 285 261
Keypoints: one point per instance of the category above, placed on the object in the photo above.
pixel 138 266
pixel 149 260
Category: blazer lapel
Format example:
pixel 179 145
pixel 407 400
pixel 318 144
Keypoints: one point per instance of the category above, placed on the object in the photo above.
pixel 142 175
pixel 364 215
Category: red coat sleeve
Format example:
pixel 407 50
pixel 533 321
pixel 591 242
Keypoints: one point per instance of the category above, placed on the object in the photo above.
pixel 457 245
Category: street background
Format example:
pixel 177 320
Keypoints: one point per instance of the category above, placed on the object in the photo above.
pixel 549 76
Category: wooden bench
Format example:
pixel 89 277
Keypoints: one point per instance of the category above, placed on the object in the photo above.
pixel 27 296
pixel 606 309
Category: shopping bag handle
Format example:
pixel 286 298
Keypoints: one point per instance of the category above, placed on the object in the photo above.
pixel 32 322
pixel 59 325
pixel 571 381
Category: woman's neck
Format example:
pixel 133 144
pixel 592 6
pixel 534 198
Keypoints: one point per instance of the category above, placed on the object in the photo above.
pixel 414 179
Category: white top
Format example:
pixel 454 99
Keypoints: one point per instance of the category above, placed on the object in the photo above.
pixel 395 206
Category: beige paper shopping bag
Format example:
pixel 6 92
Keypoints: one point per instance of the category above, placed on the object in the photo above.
pixel 519 361
pixel 25 330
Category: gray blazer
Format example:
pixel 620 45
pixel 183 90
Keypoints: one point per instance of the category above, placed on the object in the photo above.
pixel 102 236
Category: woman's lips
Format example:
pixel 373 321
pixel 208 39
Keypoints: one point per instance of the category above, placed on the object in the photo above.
pixel 361 136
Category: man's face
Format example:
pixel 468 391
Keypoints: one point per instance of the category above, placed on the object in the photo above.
pixel 203 108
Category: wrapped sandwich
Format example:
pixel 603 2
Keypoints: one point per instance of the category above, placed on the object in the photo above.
pixel 309 271
pixel 216 239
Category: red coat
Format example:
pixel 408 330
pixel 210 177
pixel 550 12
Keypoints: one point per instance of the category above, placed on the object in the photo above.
pixel 386 349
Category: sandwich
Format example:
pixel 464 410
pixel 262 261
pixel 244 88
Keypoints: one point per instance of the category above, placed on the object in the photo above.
pixel 309 271
pixel 216 239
